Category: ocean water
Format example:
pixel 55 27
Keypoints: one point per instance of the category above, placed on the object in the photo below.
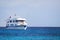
pixel 32 33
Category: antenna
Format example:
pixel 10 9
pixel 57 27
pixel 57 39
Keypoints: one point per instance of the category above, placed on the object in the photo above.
pixel 10 17
pixel 15 14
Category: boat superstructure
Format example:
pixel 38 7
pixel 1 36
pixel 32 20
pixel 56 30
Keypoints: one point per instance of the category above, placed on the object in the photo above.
pixel 16 23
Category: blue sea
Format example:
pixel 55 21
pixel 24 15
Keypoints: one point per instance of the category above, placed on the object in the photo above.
pixel 31 33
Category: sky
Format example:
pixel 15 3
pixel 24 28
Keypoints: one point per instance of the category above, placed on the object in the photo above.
pixel 37 12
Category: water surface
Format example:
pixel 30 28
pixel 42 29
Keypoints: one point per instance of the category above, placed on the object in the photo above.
pixel 32 33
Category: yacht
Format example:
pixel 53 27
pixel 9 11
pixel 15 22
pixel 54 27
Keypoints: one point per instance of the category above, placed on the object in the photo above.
pixel 16 23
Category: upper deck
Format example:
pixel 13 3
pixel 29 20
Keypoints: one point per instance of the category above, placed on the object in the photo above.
pixel 16 22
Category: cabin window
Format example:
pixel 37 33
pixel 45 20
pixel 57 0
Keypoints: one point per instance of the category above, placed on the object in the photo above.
pixel 7 24
pixel 10 21
pixel 12 24
pixel 14 21
pixel 7 21
pixel 15 25
pixel 22 21
pixel 19 20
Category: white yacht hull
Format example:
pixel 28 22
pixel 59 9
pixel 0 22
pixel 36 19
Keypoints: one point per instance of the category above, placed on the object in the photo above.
pixel 17 28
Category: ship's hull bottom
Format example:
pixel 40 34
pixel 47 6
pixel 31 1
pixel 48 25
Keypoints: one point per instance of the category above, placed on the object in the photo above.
pixel 17 28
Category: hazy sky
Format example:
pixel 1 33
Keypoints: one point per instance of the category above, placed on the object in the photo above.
pixel 37 12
